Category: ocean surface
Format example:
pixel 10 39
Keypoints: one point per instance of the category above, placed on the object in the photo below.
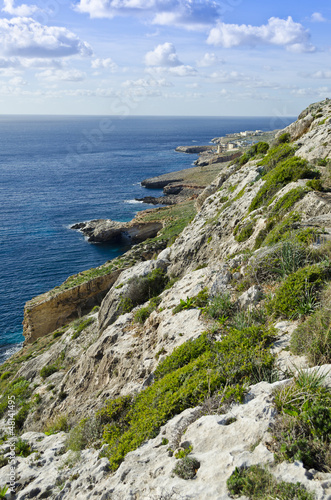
pixel 56 171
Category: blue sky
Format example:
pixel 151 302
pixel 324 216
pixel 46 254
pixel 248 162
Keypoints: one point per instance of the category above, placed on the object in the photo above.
pixel 164 57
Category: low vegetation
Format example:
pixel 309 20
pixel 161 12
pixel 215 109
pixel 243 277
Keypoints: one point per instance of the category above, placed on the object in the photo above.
pixel 257 483
pixel 192 373
pixel 303 428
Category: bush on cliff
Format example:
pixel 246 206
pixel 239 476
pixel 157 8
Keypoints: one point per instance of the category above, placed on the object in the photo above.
pixel 143 289
pixel 257 483
pixel 298 294
pixel 313 338
pixel 303 428
pixel 289 170
pixel 256 150
pixel 185 379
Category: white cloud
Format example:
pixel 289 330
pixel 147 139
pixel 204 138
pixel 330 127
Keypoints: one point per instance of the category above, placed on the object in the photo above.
pixel 22 11
pixel 104 64
pixel 209 60
pixel 279 32
pixel 164 59
pixel 190 14
pixel 317 17
pixel 17 81
pixel 70 75
pixel 163 55
pixel 142 82
pixel 321 92
pixel 318 75
pixel 229 77
pixel 27 38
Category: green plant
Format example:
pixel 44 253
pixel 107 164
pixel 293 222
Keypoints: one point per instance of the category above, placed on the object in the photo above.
pixel 3 491
pixel 289 170
pixel 257 149
pixel 46 371
pixel 184 381
pixel 199 300
pixel 81 326
pixel 257 483
pixel 57 424
pixel 143 313
pixel 182 453
pixel 288 200
pixel 219 305
pixel 313 338
pixel 22 448
pixel 245 232
pixel 20 389
pixel 315 184
pixel 187 468
pixel 284 138
pixel 299 290
pixel 143 288
pixel 303 429
pixel 276 155
pixel 85 434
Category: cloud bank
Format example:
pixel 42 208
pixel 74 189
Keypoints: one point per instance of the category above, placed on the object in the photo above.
pixel 280 32
pixel 24 37
pixel 190 14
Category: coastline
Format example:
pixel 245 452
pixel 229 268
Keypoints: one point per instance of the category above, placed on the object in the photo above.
pixel 180 188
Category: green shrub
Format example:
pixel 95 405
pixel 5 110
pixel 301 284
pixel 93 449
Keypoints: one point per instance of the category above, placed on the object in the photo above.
pixel 219 306
pixel 289 170
pixel 187 468
pixel 144 288
pixel 145 312
pixel 313 338
pixel 275 155
pixel 257 149
pixel 288 200
pixel 257 483
pixel 57 424
pixel 303 429
pixel 20 388
pixel 298 293
pixel 46 371
pixel 281 261
pixel 22 448
pixel 86 434
pixel 315 185
pixel 81 326
pixel 183 355
pixel 199 300
pixel 245 232
pixel 282 230
pixel 284 138
pixel 242 356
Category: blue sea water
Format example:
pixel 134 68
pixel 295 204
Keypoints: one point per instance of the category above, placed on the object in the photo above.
pixel 56 171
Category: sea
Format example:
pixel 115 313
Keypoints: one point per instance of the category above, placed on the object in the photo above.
pixel 59 170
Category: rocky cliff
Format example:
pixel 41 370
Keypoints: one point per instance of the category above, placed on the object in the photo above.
pixel 205 373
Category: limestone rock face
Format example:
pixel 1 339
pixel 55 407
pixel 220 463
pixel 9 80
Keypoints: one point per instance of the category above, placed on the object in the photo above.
pixel 102 230
pixel 220 443
pixel 58 308
pixel 126 288
pixel 312 131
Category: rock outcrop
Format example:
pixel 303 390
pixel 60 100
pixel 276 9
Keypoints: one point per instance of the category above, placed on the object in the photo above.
pixel 107 230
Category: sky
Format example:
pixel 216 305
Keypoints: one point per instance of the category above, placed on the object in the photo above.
pixel 164 57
